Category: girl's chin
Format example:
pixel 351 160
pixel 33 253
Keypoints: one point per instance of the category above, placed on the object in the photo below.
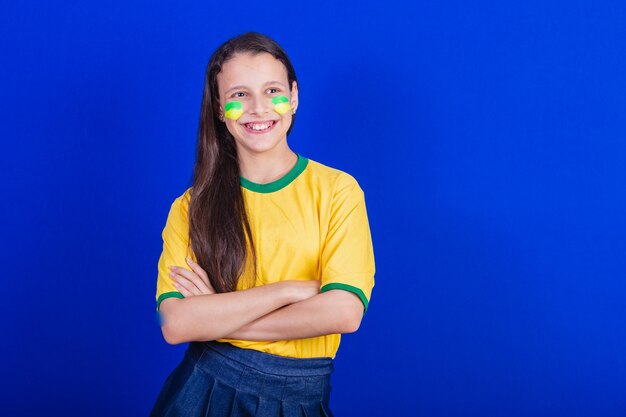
pixel 258 145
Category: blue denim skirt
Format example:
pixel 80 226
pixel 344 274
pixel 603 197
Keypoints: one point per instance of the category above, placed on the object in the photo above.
pixel 219 379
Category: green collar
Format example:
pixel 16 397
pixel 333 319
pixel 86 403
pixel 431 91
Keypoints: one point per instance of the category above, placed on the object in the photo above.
pixel 280 183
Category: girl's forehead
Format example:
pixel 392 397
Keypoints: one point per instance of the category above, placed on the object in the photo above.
pixel 252 70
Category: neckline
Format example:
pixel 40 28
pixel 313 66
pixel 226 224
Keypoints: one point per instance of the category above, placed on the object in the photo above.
pixel 280 183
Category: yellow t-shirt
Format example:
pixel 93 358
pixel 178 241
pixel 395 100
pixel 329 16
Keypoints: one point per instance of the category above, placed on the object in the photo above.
pixel 310 224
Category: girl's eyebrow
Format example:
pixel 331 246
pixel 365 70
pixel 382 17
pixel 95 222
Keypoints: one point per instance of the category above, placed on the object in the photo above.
pixel 274 82
pixel 239 87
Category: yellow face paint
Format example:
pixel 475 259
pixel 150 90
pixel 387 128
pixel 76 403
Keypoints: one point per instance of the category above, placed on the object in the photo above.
pixel 233 110
pixel 281 104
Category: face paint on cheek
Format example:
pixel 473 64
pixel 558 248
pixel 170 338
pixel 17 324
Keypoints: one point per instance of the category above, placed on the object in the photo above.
pixel 233 110
pixel 281 104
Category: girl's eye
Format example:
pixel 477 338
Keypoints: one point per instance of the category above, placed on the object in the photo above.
pixel 238 94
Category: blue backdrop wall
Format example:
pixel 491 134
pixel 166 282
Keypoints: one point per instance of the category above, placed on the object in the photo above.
pixel 488 137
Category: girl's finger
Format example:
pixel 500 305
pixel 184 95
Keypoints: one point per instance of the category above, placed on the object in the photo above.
pixel 192 277
pixel 203 275
pixel 184 291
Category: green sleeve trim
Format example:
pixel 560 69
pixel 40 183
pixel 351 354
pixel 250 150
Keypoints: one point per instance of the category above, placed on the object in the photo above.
pixel 168 295
pixel 346 287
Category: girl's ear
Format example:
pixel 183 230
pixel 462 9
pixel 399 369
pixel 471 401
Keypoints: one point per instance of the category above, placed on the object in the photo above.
pixel 294 97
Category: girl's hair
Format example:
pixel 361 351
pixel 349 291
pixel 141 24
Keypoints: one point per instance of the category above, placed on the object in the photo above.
pixel 219 229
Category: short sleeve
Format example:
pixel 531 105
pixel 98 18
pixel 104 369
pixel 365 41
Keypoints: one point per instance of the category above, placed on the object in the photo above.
pixel 347 260
pixel 175 248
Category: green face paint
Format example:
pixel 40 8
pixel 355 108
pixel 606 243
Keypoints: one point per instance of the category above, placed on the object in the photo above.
pixel 281 104
pixel 233 110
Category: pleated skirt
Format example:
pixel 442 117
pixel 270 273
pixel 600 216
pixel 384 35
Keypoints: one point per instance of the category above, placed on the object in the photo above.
pixel 219 379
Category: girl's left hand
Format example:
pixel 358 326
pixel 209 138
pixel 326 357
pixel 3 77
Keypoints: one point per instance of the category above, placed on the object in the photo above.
pixel 194 282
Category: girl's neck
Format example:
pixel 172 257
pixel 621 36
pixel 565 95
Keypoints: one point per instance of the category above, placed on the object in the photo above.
pixel 268 166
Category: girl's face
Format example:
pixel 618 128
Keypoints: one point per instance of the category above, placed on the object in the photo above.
pixel 254 80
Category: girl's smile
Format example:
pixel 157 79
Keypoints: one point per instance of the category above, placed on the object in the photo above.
pixel 259 127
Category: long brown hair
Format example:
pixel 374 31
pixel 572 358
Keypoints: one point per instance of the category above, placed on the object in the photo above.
pixel 218 224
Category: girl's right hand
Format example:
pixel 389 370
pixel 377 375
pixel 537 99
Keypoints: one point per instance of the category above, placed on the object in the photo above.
pixel 299 290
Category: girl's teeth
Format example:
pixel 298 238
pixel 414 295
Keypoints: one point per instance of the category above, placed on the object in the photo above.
pixel 259 126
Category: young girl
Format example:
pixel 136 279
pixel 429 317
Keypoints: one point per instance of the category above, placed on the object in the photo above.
pixel 267 259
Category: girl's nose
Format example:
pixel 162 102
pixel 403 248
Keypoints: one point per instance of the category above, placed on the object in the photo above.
pixel 260 106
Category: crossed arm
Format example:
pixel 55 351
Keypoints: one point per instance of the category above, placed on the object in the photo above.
pixel 280 311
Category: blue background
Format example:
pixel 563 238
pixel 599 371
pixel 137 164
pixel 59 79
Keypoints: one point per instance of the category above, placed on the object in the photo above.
pixel 488 137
